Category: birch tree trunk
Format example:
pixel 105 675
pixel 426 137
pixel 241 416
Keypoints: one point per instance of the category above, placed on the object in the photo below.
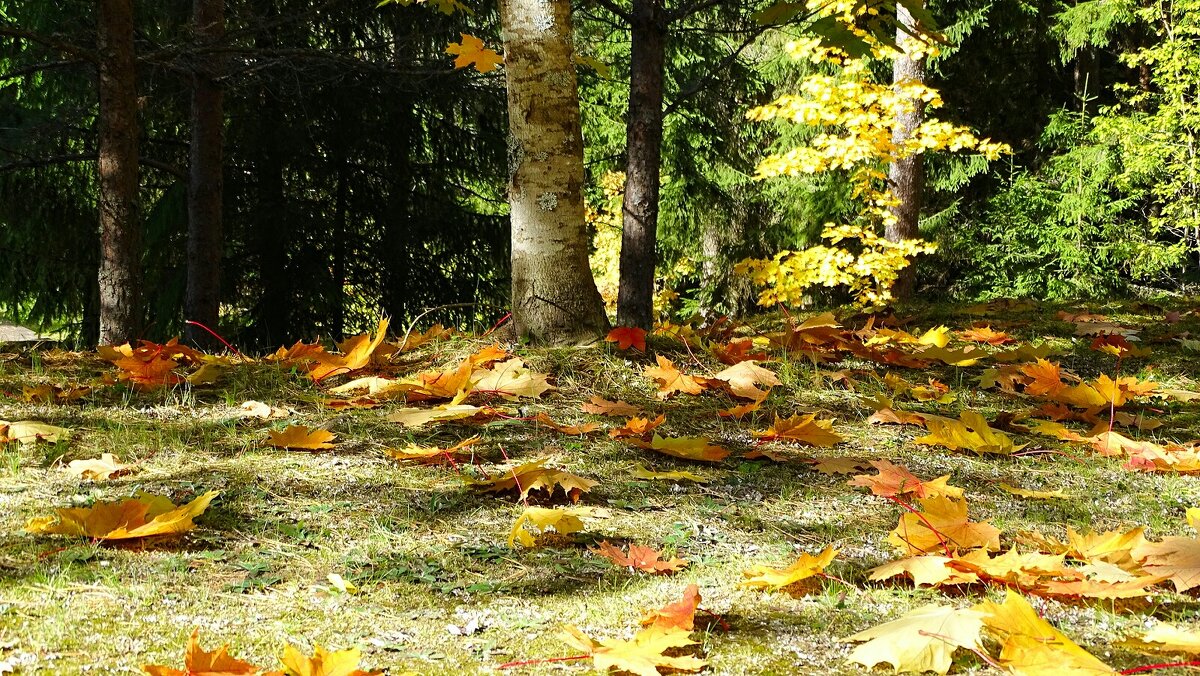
pixel 643 134
pixel 120 276
pixel 554 298
pixel 205 241
pixel 907 176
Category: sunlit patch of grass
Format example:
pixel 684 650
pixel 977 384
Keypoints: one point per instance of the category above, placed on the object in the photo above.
pixel 427 551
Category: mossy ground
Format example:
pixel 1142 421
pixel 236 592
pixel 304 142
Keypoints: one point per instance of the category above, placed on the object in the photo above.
pixel 429 554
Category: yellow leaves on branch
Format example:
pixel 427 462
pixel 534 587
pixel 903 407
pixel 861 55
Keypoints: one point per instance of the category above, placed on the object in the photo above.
pixel 857 121
pixel 139 517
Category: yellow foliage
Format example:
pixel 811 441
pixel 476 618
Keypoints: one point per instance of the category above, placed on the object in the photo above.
pixel 857 118
pixel 606 241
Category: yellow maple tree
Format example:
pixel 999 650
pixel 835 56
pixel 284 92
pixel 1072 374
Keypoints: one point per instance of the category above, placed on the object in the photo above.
pixel 856 118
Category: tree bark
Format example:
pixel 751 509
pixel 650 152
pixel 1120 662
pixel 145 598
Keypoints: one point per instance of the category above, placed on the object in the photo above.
pixel 120 231
pixel 205 241
pixel 643 134
pixel 907 176
pixel 554 298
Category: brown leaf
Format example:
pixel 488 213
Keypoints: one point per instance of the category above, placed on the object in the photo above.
pixel 744 377
pixel 601 406
pixel 678 614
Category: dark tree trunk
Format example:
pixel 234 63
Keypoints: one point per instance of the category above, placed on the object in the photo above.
pixel 907 176
pixel 205 241
pixel 269 213
pixel 338 320
pixel 643 133
pixel 120 231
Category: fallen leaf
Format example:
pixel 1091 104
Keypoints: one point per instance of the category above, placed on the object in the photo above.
pixel 323 662
pixel 894 480
pixel 678 614
pixel 642 655
pixel 1176 557
pixel 432 454
pixel 739 412
pixel 586 428
pixel 806 566
pixel 986 334
pixel 970 432
pixel 103 468
pixel 928 569
pixel 670 380
pixel 639 557
pixel 419 417
pixel 356 354
pixel 941 523
pixel 31 432
pixel 636 427
pixel 1164 638
pixel 641 472
pixel 301 437
pixel 805 429
pixel 601 406
pixel 688 448
pixel 129 519
pixel 922 640
pixel 257 409
pixel 562 520
pixel 744 377
pixel 737 350
pixel 626 337
pixel 534 476
pixel 1030 646
pixel 510 380
pixel 198 662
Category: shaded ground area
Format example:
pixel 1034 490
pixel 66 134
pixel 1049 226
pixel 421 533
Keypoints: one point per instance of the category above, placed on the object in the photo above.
pixel 440 591
pixel 12 333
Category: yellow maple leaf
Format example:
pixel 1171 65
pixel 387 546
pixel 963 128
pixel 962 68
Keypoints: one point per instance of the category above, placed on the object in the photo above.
pixel 139 517
pixel 929 569
pixel 563 520
pixel 534 476
pixel 922 640
pixel 942 523
pixel 471 51
pixel 806 566
pixel 642 655
pixel 1034 495
pixel 1030 646
pixel 356 354
pixel 640 472
pixel 510 380
pixel 744 377
pixel 1164 638
pixel 301 437
pixel 970 432
pixel 323 663
pixel 431 454
pixel 688 448
pixel 1176 557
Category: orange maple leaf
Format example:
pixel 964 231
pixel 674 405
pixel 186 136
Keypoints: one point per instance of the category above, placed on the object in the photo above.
pixel 139 517
pixel 805 429
pixel 471 51
pixel 679 614
pixel 986 334
pixel 636 427
pixel 738 350
pixel 671 380
pixel 640 557
pixel 198 662
pixel 894 480
pixel 586 428
pixel 626 337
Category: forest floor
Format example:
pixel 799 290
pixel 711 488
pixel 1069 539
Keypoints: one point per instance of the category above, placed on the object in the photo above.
pixel 433 584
